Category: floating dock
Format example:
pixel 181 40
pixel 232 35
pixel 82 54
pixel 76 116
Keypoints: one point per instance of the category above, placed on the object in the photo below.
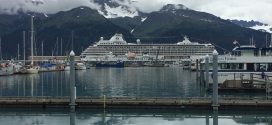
pixel 130 102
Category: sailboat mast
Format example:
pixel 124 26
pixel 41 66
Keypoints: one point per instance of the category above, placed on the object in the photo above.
pixel 42 50
pixel 60 46
pixel 266 41
pixel 57 46
pixel 1 48
pixel 271 41
pixel 18 51
pixel 72 40
pixel 24 46
pixel 31 40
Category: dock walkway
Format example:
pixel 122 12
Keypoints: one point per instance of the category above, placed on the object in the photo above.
pixel 131 102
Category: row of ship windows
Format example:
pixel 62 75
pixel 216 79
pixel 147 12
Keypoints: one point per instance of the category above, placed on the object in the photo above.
pixel 157 47
pixel 111 43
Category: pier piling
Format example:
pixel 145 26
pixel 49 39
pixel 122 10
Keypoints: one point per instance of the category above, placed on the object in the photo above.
pixel 215 81
pixel 215 118
pixel 206 71
pixel 197 72
pixel 72 82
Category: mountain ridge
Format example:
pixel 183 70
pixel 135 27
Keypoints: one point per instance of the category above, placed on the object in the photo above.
pixel 163 26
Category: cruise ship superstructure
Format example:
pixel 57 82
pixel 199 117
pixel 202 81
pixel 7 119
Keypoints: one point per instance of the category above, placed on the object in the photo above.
pixel 119 48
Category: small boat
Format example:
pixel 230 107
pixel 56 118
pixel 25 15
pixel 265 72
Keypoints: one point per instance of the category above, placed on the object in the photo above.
pixel 17 67
pixel 6 69
pixel 67 68
pixel 80 66
pixel 33 70
pixel 29 69
pixel 46 67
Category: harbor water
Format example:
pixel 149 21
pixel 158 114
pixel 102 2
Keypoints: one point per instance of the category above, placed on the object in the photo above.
pixel 120 82
pixel 115 82
pixel 132 117
pixel 112 82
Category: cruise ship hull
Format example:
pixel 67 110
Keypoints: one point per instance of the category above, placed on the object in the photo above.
pixel 117 65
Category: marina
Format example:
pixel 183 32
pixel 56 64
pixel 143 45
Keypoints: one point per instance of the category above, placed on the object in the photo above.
pixel 124 62
pixel 121 90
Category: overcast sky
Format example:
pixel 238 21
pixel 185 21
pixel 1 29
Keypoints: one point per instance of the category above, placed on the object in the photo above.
pixel 260 10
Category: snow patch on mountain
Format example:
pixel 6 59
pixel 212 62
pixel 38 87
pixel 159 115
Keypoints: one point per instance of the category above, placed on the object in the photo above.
pixel 143 19
pixel 173 7
pixel 207 20
pixel 264 28
pixel 118 8
pixel 132 31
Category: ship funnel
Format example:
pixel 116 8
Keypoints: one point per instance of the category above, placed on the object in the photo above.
pixel 101 38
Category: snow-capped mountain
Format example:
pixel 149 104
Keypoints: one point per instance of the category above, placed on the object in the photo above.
pixel 263 28
pixel 117 8
pixel 256 25
pixel 173 7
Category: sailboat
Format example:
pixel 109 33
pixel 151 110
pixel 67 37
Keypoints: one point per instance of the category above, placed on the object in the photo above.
pixel 5 68
pixel 31 69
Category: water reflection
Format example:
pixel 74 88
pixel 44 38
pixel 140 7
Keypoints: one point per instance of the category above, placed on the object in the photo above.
pixel 124 117
pixel 72 118
pixel 132 82
pixel 137 82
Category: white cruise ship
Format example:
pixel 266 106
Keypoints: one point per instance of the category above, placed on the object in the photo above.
pixel 167 52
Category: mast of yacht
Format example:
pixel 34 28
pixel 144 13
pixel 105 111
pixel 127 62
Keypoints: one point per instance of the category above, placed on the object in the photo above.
pixel 24 46
pixel 60 46
pixel 31 40
pixel 73 40
pixel 270 46
pixel 57 46
pixel 42 50
pixel 18 51
pixel 1 58
pixel 271 41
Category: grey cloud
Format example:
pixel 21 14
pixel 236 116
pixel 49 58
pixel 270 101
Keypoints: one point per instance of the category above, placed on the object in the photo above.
pixel 228 9
pixel 44 6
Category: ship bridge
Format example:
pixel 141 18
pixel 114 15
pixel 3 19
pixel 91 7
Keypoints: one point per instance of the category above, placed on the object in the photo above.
pixel 117 39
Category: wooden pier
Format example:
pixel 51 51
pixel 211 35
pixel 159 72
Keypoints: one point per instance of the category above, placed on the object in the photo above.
pixel 130 102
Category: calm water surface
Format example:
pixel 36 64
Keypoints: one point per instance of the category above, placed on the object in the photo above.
pixel 128 117
pixel 140 82
pixel 130 82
